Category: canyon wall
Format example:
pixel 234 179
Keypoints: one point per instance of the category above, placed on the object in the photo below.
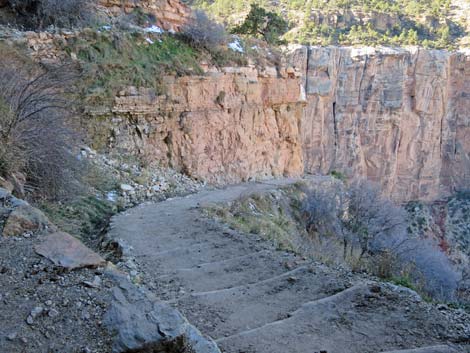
pixel 227 126
pixel 398 117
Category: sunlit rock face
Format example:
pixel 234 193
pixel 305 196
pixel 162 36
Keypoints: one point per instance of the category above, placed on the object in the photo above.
pixel 231 125
pixel 398 117
pixel 169 15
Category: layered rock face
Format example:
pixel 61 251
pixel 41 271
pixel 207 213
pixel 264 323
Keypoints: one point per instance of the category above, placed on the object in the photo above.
pixel 401 118
pixel 397 117
pixel 228 126
pixel 169 14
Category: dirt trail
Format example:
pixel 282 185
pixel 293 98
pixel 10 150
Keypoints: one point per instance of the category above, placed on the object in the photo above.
pixel 249 297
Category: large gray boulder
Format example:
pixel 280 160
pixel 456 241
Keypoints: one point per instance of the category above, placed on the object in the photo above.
pixel 18 217
pixel 140 322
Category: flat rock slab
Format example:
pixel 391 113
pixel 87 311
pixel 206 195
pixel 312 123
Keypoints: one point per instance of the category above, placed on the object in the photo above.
pixel 68 252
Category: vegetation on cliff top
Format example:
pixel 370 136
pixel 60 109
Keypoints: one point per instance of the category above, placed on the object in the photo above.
pixel 428 23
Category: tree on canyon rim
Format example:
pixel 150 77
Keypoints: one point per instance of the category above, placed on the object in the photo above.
pixel 262 23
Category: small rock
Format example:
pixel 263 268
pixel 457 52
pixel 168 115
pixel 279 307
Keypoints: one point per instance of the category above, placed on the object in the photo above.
pixel 375 289
pixel 52 313
pixel 29 320
pixel 442 307
pixel 292 279
pixel 126 188
pixel 36 312
pixel 96 283
pixel 86 315
pixel 12 336
pixel 48 303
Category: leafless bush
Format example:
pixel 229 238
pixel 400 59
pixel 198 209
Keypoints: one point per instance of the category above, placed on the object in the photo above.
pixel 431 269
pixel 35 137
pixel 358 215
pixel 324 212
pixel 372 217
pixel 202 32
pixel 373 232
pixel 62 13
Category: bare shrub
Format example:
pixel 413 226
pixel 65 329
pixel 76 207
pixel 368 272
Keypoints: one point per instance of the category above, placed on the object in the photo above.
pixel 324 212
pixel 202 32
pixel 358 216
pixel 35 137
pixel 373 232
pixel 372 217
pixel 61 13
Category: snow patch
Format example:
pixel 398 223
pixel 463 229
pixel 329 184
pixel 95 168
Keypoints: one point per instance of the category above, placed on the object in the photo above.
pixel 154 29
pixel 236 46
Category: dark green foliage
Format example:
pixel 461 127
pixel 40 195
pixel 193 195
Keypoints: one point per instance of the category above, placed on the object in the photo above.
pixel 427 23
pixel 338 175
pixel 264 24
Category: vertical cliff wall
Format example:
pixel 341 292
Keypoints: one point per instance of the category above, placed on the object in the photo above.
pixel 401 118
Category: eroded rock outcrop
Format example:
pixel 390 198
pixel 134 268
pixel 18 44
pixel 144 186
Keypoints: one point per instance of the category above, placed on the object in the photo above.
pixel 169 14
pixel 228 126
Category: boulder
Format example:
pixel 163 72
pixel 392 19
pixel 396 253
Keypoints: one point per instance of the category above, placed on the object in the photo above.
pixel 24 218
pixel 68 252
pixel 138 321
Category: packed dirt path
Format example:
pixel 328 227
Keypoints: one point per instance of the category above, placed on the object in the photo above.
pixel 249 297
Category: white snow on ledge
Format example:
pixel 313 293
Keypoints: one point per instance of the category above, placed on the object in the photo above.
pixel 236 46
pixel 154 29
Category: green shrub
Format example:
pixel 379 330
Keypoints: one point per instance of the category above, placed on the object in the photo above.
pixel 338 175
